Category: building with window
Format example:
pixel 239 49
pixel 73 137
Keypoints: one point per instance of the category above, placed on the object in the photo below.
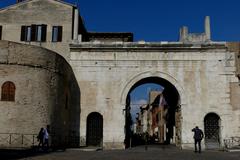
pixel 153 119
pixel 40 89
pixel 36 83
pixel 199 77
pixel 38 22
pixel 56 73
pixel 8 91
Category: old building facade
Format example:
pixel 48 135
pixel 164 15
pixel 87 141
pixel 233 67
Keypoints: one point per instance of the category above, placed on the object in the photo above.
pixel 38 88
pixel 198 78
pixel 49 24
pixel 99 71
pixel 152 119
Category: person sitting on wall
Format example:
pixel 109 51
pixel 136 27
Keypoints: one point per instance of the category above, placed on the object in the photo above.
pixel 198 136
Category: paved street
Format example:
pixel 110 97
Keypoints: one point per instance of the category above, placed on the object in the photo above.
pixel 137 153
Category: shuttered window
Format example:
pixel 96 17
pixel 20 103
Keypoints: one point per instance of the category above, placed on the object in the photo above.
pixel 33 30
pixel 23 33
pixel 34 33
pixel 8 91
pixel 28 33
pixel 41 33
pixel 0 32
pixel 57 34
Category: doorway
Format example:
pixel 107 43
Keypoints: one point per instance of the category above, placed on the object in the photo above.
pixel 94 129
pixel 212 131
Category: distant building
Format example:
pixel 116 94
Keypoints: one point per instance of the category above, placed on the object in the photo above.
pixel 153 117
pixel 159 112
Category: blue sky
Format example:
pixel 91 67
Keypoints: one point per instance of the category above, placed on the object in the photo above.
pixel 159 20
pixel 140 96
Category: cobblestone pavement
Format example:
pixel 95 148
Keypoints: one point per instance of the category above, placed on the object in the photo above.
pixel 138 153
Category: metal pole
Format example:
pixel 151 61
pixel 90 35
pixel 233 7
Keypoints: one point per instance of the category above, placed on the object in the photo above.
pixel 33 141
pixel 130 142
pixel 10 140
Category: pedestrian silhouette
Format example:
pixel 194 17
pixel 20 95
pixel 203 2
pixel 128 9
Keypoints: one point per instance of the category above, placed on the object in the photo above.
pixel 46 137
pixel 198 136
pixel 40 138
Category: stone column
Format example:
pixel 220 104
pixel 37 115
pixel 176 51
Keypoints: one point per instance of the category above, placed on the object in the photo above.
pixel 75 30
pixel 183 33
pixel 207 28
pixel 165 132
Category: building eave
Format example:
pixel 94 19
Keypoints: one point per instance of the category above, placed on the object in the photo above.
pixel 152 46
pixel 27 1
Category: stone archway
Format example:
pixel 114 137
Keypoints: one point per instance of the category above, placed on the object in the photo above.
pixel 172 87
pixel 94 129
pixel 212 131
pixel 134 79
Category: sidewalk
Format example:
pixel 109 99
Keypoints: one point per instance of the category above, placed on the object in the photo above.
pixel 138 153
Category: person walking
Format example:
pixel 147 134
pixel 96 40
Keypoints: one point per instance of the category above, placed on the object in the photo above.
pixel 40 138
pixel 46 137
pixel 198 136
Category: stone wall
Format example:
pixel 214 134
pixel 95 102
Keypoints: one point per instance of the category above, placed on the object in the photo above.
pixel 46 94
pixel 201 73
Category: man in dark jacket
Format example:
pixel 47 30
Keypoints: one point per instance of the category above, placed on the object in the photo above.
pixel 40 138
pixel 198 136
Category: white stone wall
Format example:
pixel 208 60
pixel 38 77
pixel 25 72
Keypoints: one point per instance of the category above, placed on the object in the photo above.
pixel 201 74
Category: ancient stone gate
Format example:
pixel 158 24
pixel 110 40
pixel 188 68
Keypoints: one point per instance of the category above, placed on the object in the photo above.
pixel 200 73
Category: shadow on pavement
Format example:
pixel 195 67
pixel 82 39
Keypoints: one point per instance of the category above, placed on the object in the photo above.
pixel 11 154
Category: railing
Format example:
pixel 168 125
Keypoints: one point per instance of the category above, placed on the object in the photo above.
pixel 16 140
pixel 232 142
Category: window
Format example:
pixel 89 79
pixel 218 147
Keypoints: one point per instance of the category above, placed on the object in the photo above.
pixel 34 33
pixel 0 32
pixel 57 34
pixel 41 33
pixel 28 33
pixel 8 91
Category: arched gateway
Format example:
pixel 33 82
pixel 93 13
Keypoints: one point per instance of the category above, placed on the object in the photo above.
pixel 172 131
pixel 195 82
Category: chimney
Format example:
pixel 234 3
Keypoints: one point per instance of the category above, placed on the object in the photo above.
pixel 18 1
pixel 207 28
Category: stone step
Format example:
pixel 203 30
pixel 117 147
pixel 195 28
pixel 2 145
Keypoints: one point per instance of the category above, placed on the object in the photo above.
pixel 87 149
pixel 233 150
pixel 212 145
